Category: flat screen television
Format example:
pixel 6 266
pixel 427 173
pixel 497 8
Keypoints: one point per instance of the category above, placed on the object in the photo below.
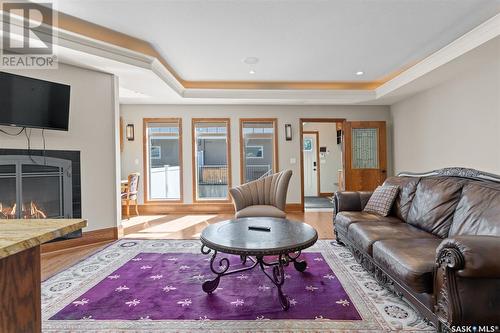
pixel 28 102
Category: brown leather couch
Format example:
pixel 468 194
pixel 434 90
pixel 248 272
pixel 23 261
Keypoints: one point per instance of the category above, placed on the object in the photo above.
pixel 439 247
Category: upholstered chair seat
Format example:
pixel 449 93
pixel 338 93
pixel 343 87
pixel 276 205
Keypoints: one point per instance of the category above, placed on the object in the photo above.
pixel 264 197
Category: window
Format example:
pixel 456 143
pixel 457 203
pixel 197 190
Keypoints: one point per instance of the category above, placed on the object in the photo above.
pixel 163 156
pixel 308 144
pixel 211 159
pixel 156 152
pixel 258 147
pixel 254 151
pixel 364 148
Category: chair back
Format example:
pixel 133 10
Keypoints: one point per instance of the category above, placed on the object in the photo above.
pixel 133 183
pixel 269 190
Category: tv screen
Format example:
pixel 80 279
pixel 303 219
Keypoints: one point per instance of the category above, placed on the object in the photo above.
pixel 27 102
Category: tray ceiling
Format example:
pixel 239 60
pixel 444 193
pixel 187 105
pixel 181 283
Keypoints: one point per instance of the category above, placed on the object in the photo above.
pixel 294 41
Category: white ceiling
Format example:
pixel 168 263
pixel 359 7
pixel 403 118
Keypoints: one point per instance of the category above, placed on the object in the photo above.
pixel 297 40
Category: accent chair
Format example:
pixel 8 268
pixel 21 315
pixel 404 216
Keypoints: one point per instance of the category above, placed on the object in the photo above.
pixel 264 197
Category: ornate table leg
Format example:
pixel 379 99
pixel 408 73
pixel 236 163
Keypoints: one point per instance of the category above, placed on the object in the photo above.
pixel 220 270
pixel 300 265
pixel 277 278
pixel 210 285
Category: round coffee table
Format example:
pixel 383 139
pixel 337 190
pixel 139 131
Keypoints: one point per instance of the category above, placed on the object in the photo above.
pixel 253 238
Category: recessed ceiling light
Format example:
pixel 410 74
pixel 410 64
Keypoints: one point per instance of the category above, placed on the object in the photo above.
pixel 252 71
pixel 359 73
pixel 251 60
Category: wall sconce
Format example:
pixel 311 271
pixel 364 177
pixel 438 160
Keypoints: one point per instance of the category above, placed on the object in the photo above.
pixel 288 132
pixel 129 133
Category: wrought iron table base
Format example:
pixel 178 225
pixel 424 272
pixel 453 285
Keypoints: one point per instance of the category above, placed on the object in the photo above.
pixel 277 277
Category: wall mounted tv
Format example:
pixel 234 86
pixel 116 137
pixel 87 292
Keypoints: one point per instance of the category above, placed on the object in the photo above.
pixel 27 102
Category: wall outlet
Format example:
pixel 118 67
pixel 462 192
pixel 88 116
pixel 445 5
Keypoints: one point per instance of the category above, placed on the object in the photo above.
pixel 293 160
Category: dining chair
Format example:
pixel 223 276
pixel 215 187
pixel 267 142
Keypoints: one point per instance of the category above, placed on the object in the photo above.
pixel 129 193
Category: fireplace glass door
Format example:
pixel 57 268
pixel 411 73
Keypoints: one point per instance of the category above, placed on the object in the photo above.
pixel 42 195
pixel 7 191
pixel 34 187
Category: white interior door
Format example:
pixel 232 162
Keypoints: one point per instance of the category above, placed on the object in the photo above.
pixel 310 165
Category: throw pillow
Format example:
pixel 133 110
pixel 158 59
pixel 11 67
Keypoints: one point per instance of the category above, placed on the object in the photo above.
pixel 381 201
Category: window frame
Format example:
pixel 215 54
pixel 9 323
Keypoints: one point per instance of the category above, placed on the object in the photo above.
pixel 194 121
pixel 145 157
pixel 274 122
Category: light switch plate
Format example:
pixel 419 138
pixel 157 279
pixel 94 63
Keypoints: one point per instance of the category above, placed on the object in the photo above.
pixel 293 160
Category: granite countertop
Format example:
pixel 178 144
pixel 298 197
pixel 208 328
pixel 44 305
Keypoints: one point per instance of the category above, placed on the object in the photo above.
pixel 18 235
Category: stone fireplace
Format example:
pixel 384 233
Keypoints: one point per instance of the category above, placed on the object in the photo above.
pixel 39 184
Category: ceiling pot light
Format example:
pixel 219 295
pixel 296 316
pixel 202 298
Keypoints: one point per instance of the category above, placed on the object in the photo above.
pixel 251 60
pixel 252 71
pixel 359 73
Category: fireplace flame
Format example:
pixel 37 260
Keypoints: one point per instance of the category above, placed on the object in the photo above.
pixel 29 211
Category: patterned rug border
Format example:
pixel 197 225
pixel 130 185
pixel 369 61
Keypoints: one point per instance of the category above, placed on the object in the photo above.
pixel 95 268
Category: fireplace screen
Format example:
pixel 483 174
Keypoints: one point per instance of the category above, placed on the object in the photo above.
pixel 34 187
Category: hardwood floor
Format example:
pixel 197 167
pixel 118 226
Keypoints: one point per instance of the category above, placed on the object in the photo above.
pixel 169 227
pixel 57 261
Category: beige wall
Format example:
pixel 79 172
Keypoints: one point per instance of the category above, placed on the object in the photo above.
pixel 332 160
pixel 288 150
pixel 92 131
pixel 456 123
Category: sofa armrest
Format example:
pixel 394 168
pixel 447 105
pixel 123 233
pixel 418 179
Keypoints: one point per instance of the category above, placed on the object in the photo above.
pixel 471 256
pixel 467 268
pixel 353 201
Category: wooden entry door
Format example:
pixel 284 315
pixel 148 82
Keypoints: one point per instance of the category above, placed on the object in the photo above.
pixel 365 155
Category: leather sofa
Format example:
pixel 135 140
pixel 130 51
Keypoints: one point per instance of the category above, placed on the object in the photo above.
pixel 264 197
pixel 439 247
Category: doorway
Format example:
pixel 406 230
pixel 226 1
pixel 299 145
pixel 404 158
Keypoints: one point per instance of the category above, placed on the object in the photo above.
pixel 321 162
pixel 342 156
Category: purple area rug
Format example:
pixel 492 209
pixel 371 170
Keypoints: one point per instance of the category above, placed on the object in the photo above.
pixel 167 286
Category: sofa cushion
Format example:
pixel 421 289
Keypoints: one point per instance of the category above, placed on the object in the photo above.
pixel 477 212
pixel 260 210
pixel 351 201
pixel 364 234
pixel 411 261
pixel 434 204
pixel 344 219
pixel 407 188
pixel 381 200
